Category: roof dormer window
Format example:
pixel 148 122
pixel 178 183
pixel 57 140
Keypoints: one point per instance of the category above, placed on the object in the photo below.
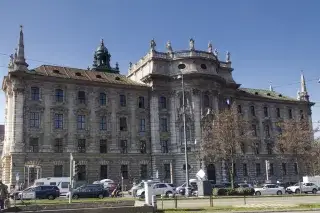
pixel 78 74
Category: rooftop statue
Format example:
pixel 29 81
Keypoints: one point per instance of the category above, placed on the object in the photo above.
pixel 191 44
pixel 209 47
pixel 153 44
pixel 228 55
pixel 169 47
pixel 215 52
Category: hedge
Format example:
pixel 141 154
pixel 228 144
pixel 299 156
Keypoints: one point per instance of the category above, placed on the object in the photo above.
pixel 230 191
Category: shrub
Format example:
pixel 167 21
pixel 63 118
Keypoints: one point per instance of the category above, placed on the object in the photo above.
pixel 233 192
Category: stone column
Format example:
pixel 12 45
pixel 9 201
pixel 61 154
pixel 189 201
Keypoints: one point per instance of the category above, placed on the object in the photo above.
pixel 172 109
pixel 47 123
pixel 72 119
pixel 154 123
pixel 17 144
pixel 197 116
pixel 114 122
pixel 132 123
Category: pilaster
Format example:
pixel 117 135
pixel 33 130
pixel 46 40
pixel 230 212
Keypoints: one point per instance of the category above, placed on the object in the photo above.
pixel 133 122
pixel 71 122
pixel 47 123
pixel 173 116
pixel 17 127
pixel 114 122
pixel 197 115
pixel 154 123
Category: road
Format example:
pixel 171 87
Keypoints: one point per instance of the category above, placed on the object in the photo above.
pixel 240 202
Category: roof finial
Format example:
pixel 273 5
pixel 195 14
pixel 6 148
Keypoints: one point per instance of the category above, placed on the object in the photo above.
pixel 102 42
pixel 228 57
pixel 153 45
pixel 117 66
pixel 209 47
pixel 20 61
pixel 191 44
pixel 303 88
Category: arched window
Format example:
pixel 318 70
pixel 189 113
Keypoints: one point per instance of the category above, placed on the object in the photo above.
pixel 206 101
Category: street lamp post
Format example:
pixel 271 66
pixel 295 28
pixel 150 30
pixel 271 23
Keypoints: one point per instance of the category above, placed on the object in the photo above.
pixel 185 138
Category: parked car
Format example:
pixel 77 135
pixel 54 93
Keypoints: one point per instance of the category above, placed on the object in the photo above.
pixel 89 191
pixel 269 189
pixel 305 188
pixel 40 192
pixel 158 189
pixel 192 183
pixel 134 189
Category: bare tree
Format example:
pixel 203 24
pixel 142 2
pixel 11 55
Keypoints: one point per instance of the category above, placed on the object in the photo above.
pixel 315 157
pixel 295 141
pixel 224 135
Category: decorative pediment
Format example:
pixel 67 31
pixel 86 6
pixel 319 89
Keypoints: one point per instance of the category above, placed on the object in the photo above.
pixel 104 162
pixel 35 107
pixel 82 162
pixel 82 110
pixel 102 111
pixel 59 108
pixel 144 162
pixel 33 163
pixel 122 162
pixel 58 162
pixel 167 161
pixel 196 91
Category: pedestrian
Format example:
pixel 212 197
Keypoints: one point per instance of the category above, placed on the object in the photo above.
pixel 3 194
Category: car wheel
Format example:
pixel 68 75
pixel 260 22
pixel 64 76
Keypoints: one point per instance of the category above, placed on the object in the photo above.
pixel 75 197
pixel 314 191
pixel 258 193
pixel 279 192
pixel 168 193
pixel 297 191
pixel 100 196
pixel 51 197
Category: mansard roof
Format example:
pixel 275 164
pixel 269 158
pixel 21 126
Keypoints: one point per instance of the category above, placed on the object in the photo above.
pixel 82 74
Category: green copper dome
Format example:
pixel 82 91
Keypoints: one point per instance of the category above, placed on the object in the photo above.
pixel 102 58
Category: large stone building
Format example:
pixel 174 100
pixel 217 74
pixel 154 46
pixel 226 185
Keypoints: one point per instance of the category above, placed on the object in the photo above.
pixel 132 126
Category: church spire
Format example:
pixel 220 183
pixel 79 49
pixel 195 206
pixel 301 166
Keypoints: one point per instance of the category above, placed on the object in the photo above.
pixel 20 61
pixel 303 89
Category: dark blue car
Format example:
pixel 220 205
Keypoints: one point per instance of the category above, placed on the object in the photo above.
pixel 40 192
pixel 90 191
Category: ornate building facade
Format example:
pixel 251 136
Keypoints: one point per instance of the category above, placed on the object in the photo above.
pixel 132 126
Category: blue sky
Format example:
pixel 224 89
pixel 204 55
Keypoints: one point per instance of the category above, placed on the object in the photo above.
pixel 269 41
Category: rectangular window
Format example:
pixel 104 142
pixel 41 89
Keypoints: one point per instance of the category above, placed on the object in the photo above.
pixel 143 171
pixel 34 144
pixel 258 169
pixel 58 171
pixel 295 167
pixel 143 147
pixel 58 121
pixel 239 109
pixel 34 119
pixel 123 124
pixel 58 146
pixel 81 122
pixel 253 111
pixel 269 149
pixel 103 99
pixel 301 114
pixel 103 172
pixel 271 170
pixel 257 146
pixel 124 171
pixel 81 97
pixel 163 102
pixel 163 125
pixel 82 172
pixel 123 147
pixel 141 102
pixel 278 112
pixel 167 171
pixel 284 168
pixel 254 130
pixel 245 170
pixel 142 125
pixel 267 130
pixel 35 93
pixel 59 95
pixel 82 145
pixel 123 101
pixel 103 123
pixel 164 147
pixel 290 114
pixel 265 111
pixel 103 146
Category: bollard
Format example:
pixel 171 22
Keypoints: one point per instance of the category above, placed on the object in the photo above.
pixel 154 202
pixel 176 202
pixel 162 201
pixel 211 201
pixel 244 200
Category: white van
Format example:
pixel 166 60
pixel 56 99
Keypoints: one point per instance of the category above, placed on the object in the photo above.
pixel 61 182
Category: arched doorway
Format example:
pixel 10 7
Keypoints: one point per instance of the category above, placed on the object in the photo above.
pixel 211 172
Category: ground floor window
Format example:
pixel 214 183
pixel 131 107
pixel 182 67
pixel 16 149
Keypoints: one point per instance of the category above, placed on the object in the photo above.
pixel 103 172
pixel 124 171
pixel 58 171
pixel 82 172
